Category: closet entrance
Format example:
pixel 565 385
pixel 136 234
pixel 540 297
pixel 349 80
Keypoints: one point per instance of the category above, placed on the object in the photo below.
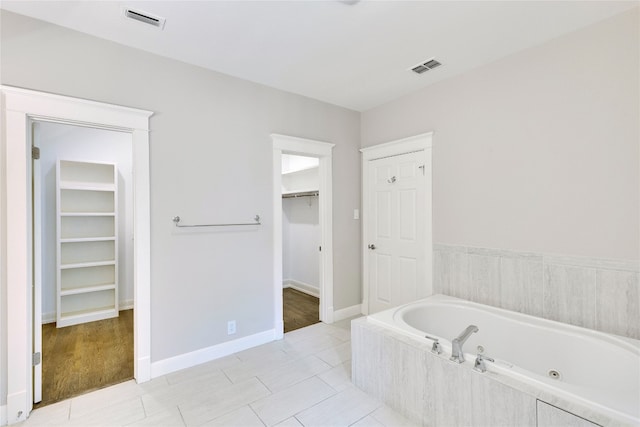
pixel 322 151
pixel 301 244
pixel 83 259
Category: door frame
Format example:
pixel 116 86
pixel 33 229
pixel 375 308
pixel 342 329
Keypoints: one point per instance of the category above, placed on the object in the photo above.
pixel 19 108
pixel 422 142
pixel 283 144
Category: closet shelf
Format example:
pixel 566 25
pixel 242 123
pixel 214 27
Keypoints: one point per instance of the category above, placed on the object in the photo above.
pixel 87 289
pixel 87 214
pixel 87 239
pixel 82 316
pixel 87 264
pixel 304 193
pixel 86 186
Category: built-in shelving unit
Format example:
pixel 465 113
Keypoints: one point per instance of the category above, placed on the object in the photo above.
pixel 87 242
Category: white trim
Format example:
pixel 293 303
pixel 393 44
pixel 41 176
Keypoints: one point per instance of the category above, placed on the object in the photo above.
pixel 400 146
pixel 197 357
pixel 3 415
pixel 422 142
pixel 345 313
pixel 323 150
pixel 302 287
pixel 18 107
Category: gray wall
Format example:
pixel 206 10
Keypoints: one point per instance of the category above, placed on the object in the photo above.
pixel 210 162
pixel 538 151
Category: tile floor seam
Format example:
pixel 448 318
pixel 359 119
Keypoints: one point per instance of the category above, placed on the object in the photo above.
pixel 256 414
pixel 144 409
pixel 369 414
pixel 271 392
pixel 184 423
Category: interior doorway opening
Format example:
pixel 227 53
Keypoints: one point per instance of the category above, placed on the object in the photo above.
pixel 322 151
pixel 301 245
pixel 19 108
pixel 83 259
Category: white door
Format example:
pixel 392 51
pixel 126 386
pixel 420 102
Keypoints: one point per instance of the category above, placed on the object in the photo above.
pixel 396 230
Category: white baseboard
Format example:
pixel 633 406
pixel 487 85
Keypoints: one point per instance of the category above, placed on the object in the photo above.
pixel 187 360
pixel 302 287
pixel 345 313
pixel 3 415
pixel 51 316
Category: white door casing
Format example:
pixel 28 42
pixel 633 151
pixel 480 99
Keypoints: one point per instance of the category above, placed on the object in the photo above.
pixel 19 107
pixel 283 144
pixel 37 274
pixel 397 239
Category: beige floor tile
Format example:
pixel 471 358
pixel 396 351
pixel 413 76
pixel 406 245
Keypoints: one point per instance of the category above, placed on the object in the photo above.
pixel 289 422
pixel 338 377
pixel 243 417
pixel 336 355
pixel 195 389
pixel 342 409
pixel 282 405
pixel 120 414
pixel 369 421
pixel 200 370
pixel 109 396
pixel 167 418
pixel 261 351
pixel 313 345
pixel 57 413
pixel 222 402
pixel 292 373
pixel 388 417
pixel 254 367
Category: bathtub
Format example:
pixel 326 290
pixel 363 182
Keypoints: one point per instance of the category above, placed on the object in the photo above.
pixel 597 370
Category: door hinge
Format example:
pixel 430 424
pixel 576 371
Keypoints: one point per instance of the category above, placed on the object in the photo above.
pixel 320 248
pixel 36 358
pixel 35 153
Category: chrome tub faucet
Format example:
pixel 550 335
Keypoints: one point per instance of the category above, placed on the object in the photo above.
pixel 456 345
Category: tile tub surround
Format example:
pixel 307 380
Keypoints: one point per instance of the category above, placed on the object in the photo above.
pixel 431 390
pixel 304 379
pixel 593 293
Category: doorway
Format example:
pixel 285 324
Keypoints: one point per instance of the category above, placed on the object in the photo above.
pixel 300 241
pixel 322 151
pixel 397 250
pixel 83 258
pixel 19 108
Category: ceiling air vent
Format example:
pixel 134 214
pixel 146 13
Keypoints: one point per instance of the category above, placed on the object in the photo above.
pixel 429 64
pixel 144 17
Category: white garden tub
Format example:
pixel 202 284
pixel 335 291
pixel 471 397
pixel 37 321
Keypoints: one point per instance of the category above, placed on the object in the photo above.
pixel 591 368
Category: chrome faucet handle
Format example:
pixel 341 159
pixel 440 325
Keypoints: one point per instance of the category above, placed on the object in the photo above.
pixel 436 348
pixel 479 363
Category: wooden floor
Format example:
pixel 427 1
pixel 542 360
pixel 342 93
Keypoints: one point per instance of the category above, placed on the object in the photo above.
pixel 81 358
pixel 299 309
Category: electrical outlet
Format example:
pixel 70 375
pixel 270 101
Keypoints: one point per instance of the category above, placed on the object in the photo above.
pixel 231 327
pixel 356 214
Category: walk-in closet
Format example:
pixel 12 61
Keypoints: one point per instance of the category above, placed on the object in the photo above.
pixel 300 241
pixel 83 258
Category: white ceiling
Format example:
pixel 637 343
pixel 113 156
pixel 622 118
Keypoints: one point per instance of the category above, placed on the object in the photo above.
pixel 352 54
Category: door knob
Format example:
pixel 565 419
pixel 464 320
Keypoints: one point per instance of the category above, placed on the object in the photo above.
pixel 371 246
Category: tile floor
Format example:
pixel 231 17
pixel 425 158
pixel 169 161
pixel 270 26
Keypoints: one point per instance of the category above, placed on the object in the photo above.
pixel 301 380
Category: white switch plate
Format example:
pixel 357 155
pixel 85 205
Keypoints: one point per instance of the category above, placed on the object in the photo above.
pixel 231 327
pixel 356 214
